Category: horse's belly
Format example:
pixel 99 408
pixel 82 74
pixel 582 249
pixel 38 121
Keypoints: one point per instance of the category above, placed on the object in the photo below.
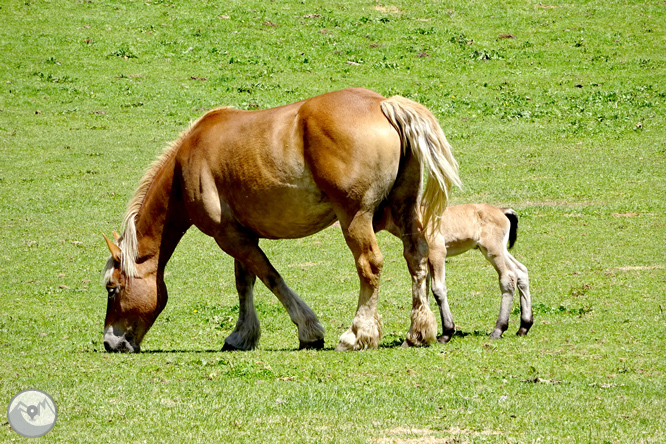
pixel 284 213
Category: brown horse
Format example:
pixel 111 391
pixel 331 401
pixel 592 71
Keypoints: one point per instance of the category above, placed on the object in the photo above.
pixel 286 172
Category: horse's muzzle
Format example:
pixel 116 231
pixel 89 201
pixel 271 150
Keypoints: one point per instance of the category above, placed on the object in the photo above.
pixel 121 347
pixel 122 344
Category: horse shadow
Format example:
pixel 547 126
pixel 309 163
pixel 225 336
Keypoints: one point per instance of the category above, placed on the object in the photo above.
pixel 395 342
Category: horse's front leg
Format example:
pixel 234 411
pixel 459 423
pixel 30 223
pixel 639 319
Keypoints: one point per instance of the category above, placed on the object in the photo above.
pixel 245 249
pixel 247 332
pixel 365 331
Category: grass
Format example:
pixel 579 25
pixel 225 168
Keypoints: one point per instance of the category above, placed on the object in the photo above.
pixel 556 109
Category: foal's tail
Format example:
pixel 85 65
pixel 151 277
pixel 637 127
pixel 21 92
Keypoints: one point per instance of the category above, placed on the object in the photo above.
pixel 513 219
pixel 420 132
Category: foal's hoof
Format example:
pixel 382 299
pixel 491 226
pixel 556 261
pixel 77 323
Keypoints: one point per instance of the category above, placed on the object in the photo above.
pixel 522 331
pixel 314 345
pixel 524 328
pixel 496 335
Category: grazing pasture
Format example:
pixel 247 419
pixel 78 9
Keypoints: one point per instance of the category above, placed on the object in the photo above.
pixel 555 109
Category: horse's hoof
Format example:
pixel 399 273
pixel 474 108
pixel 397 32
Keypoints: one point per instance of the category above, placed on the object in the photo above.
pixel 444 339
pixel 446 336
pixel 416 341
pixel 496 335
pixel 343 347
pixel 347 342
pixel 314 345
pixel 230 348
pixel 408 344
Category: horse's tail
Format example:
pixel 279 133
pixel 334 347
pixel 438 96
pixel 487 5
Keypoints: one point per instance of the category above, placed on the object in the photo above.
pixel 421 134
pixel 513 219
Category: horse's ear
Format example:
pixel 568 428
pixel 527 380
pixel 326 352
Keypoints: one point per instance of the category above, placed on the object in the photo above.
pixel 115 249
pixel 116 236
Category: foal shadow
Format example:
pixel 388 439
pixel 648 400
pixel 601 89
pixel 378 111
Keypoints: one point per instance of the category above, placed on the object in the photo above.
pixel 397 342
pixel 475 333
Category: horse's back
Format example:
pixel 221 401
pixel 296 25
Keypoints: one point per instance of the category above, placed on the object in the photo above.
pixel 281 171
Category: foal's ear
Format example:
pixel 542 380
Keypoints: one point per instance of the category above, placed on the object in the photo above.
pixel 116 236
pixel 115 249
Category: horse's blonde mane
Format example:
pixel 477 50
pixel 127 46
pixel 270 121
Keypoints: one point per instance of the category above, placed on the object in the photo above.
pixel 128 242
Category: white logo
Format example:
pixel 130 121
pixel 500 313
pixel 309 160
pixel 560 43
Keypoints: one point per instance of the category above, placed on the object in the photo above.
pixel 32 413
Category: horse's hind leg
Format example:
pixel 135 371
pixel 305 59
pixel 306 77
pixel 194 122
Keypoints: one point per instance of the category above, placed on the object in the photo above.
pixel 247 332
pixel 423 329
pixel 365 331
pixel 526 316
pixel 251 260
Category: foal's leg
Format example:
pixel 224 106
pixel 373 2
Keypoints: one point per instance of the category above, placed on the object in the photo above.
pixel 526 316
pixel 436 265
pixel 365 331
pixel 245 249
pixel 247 332
pixel 508 281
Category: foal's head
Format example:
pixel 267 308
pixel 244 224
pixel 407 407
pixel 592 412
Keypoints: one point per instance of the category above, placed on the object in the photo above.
pixel 132 304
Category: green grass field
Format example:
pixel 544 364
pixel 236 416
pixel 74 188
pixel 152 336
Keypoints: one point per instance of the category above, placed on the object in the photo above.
pixel 556 109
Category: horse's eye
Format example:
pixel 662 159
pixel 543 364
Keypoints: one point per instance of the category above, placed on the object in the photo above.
pixel 112 291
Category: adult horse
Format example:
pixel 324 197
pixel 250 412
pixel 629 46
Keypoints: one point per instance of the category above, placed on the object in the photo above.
pixel 286 172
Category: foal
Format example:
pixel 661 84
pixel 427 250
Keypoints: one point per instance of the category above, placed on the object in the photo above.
pixel 487 228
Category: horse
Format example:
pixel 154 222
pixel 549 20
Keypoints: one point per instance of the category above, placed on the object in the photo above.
pixel 488 229
pixel 288 172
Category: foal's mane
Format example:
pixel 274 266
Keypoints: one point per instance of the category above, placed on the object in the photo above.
pixel 128 242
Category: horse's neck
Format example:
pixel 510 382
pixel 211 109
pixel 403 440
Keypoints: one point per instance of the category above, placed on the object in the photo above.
pixel 162 219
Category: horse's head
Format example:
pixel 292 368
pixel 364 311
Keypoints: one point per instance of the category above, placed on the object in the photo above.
pixel 132 305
